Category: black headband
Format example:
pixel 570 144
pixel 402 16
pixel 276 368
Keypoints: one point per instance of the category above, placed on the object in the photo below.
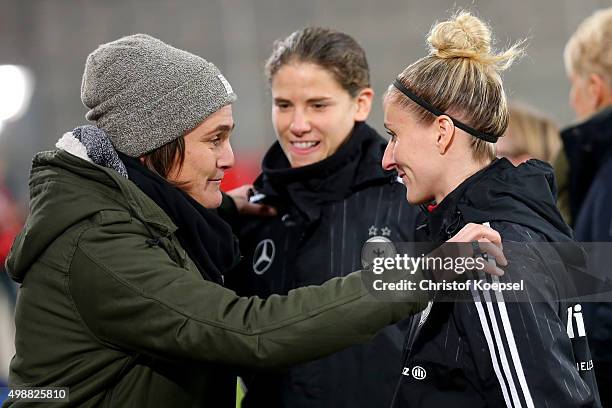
pixel 429 107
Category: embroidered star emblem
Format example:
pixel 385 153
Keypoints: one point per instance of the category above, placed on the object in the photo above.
pixel 372 231
pixel 386 231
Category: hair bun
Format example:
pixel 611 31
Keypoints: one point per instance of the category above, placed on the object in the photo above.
pixel 466 36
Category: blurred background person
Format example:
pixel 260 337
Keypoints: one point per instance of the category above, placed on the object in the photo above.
pixel 325 179
pixel 588 152
pixel 530 135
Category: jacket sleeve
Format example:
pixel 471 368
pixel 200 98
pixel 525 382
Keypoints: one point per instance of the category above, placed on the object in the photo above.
pixel 534 360
pixel 134 297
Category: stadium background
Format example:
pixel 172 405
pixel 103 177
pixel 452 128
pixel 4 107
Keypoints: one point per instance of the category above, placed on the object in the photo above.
pixel 52 38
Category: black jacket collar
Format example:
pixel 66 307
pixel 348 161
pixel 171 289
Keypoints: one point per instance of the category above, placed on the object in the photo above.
pixel 500 192
pixel 588 145
pixel 356 164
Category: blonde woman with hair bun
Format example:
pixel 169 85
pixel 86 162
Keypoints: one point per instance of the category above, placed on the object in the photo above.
pixel 444 114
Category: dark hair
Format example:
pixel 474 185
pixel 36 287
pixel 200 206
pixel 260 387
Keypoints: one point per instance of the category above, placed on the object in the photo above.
pixel 162 159
pixel 334 51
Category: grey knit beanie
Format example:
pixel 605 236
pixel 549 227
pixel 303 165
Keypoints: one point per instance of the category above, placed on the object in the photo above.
pixel 144 93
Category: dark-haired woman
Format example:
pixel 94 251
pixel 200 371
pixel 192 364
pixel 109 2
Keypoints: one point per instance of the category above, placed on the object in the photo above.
pixel 324 177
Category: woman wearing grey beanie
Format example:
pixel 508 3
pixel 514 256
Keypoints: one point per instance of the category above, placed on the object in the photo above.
pixel 121 260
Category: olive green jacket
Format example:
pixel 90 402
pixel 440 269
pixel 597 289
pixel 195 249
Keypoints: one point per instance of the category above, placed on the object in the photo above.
pixel 123 323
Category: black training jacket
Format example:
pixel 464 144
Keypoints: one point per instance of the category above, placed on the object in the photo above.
pixel 488 350
pixel 327 211
pixel 588 146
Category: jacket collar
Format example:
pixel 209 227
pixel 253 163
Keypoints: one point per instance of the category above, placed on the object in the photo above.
pixel 139 205
pixel 591 136
pixel 65 190
pixel 588 146
pixel 356 164
pixel 501 192
pixel 446 218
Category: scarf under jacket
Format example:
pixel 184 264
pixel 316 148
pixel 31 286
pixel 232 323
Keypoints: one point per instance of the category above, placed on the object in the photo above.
pixel 207 239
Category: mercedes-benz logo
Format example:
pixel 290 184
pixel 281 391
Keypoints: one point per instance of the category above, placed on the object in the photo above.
pixel 263 256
